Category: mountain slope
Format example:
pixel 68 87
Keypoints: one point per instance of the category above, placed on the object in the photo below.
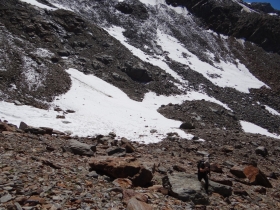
pixel 162 83
pixel 167 51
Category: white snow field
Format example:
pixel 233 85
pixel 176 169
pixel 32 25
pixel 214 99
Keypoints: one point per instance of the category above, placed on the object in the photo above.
pixel 101 108
pixel 252 128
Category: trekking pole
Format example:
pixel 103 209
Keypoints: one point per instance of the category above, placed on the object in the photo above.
pixel 209 164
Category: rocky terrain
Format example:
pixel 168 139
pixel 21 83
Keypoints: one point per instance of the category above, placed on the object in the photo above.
pixel 42 168
pixel 46 169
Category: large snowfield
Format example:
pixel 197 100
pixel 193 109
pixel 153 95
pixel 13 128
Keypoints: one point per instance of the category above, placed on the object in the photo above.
pixel 101 108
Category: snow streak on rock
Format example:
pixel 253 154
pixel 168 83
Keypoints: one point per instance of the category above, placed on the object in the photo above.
pixel 252 128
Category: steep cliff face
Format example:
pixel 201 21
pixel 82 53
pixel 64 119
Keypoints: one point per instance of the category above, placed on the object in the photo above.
pixel 236 19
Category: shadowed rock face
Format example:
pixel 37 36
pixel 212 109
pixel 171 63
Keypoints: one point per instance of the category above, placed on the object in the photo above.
pixel 229 18
pixel 135 8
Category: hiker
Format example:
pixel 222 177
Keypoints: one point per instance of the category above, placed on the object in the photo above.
pixel 203 170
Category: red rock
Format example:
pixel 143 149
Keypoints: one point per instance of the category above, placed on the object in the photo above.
pixel 123 167
pixel 6 127
pixel 35 200
pixel 256 177
pixel 123 183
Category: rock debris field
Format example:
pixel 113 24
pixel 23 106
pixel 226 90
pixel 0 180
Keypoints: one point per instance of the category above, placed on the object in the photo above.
pixel 42 168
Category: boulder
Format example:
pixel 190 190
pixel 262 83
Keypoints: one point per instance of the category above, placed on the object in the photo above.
pixel 137 72
pixel 185 187
pixel 227 149
pixel 221 180
pixel 256 177
pixel 6 198
pixel 261 151
pixel 47 130
pixel 237 171
pixel 221 189
pixel 79 148
pixel 35 130
pixel 123 167
pixel 127 145
pixel 23 126
pixel 6 127
pixel 115 151
pixel 187 125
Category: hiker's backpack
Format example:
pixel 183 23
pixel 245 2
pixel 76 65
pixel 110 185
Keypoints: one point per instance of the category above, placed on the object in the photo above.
pixel 200 163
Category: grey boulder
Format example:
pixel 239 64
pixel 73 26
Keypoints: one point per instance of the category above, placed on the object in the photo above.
pixel 79 148
pixel 185 187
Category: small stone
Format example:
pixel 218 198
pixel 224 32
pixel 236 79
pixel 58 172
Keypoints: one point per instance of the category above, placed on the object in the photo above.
pixel 5 198
pixel 93 174
pixel 17 103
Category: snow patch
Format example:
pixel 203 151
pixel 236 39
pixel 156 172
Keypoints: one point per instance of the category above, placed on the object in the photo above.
pixel 43 53
pixel 222 74
pixel 62 7
pixel 38 4
pixel 101 108
pixel 33 78
pixel 252 128
pixel 272 111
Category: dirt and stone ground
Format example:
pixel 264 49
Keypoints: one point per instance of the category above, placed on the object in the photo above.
pixel 39 172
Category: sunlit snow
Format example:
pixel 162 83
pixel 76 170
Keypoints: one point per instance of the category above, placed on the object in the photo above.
pixel 223 74
pixel 252 128
pixel 43 6
pixel 38 4
pixel 101 108
pixel 272 111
